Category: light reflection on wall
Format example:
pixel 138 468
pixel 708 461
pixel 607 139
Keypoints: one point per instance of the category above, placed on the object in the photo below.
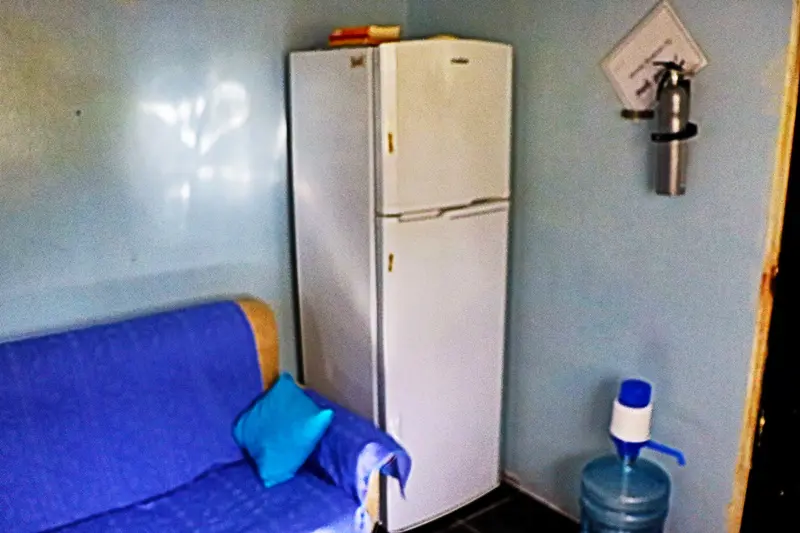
pixel 279 151
pixel 200 122
pixel 142 154
pixel 197 145
pixel 232 173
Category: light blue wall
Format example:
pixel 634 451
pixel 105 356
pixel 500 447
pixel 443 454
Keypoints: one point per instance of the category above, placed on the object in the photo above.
pixel 609 280
pixel 171 185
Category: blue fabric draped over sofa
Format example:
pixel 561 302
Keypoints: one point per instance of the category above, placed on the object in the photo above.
pixel 127 427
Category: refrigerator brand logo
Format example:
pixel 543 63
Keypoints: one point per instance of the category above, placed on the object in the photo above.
pixel 460 61
pixel 356 61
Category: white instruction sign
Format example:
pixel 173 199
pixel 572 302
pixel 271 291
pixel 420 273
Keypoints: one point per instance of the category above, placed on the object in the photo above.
pixel 660 36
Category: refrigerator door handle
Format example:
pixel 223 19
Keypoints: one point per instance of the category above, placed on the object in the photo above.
pixel 423 215
pixel 476 210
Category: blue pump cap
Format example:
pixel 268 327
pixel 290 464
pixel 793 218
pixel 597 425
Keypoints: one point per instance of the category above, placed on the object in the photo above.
pixel 635 393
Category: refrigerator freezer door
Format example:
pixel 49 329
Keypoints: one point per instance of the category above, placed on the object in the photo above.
pixel 443 306
pixel 445 123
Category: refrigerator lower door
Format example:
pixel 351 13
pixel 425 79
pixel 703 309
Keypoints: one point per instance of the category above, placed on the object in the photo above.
pixel 443 307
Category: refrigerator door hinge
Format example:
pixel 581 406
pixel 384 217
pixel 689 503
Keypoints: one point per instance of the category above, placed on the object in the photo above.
pixel 357 61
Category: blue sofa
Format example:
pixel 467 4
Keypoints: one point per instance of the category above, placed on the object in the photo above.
pixel 127 427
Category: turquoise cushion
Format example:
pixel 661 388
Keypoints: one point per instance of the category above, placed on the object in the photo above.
pixel 280 430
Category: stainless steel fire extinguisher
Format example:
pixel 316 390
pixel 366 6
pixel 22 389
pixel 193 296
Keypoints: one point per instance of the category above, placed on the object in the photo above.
pixel 672 129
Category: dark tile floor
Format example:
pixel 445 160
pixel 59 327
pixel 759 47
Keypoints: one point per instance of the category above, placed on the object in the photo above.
pixel 504 510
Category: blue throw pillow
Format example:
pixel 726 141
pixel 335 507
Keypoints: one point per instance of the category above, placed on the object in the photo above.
pixel 280 430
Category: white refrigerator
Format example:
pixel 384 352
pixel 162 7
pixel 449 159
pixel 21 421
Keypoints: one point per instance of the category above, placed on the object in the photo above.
pixel 400 181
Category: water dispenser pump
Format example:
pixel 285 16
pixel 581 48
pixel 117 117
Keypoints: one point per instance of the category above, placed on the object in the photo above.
pixel 623 492
pixel 630 422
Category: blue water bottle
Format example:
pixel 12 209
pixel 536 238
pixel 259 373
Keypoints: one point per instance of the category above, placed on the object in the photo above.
pixel 622 493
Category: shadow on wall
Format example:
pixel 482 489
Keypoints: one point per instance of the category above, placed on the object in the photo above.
pixel 596 420
pixel 46 311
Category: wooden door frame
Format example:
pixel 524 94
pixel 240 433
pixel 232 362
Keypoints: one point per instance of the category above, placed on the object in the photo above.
pixel 777 206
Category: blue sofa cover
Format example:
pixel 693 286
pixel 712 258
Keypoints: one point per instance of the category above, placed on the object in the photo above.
pixel 127 427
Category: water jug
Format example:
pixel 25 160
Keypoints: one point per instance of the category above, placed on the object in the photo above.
pixel 623 493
